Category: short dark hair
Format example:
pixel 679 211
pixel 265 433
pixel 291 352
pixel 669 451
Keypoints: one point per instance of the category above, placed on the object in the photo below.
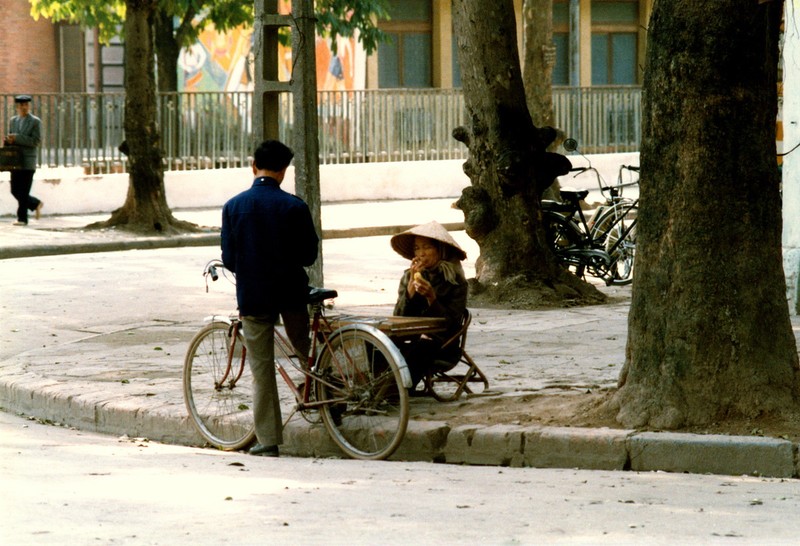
pixel 272 155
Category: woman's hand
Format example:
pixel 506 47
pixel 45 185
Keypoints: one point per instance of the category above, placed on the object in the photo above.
pixel 422 287
pixel 413 272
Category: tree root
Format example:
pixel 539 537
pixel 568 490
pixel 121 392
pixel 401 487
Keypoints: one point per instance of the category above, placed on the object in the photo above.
pixel 161 226
pixel 519 292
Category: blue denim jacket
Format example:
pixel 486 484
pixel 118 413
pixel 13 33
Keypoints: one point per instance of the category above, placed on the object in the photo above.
pixel 268 237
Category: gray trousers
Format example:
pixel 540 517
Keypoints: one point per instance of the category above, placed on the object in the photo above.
pixel 259 338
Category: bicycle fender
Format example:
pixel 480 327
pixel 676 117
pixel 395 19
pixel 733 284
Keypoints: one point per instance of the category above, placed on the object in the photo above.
pixel 218 318
pixel 405 374
pixel 586 253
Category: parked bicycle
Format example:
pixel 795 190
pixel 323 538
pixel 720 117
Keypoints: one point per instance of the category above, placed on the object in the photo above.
pixel 355 379
pixel 603 246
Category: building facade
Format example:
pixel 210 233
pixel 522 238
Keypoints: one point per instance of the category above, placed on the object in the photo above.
pixel 40 56
pixel 598 42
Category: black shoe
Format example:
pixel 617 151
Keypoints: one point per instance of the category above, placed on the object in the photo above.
pixel 418 393
pixel 264 451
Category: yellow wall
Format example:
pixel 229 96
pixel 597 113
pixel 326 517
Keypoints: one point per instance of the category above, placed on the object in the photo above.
pixel 442 36
pixel 443 50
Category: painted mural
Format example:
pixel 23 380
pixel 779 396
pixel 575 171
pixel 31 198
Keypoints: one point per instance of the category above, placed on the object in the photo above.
pixel 224 62
pixel 218 62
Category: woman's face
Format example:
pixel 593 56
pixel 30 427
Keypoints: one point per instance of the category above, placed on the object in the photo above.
pixel 426 252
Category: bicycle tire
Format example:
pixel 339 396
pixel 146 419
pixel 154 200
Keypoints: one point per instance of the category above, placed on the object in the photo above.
pixel 219 404
pixel 610 216
pixel 618 221
pixel 562 236
pixel 621 247
pixel 361 384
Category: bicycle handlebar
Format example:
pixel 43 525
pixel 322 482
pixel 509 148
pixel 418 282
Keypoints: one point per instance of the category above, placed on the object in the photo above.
pixel 212 268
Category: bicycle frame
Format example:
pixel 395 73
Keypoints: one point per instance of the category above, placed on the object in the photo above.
pixel 320 328
pixel 233 331
pixel 588 249
pixel 360 380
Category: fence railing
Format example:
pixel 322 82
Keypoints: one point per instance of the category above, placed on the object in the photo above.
pixel 214 130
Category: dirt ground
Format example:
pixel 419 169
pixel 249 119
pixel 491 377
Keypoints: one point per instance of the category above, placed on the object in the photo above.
pixel 572 408
pixel 582 409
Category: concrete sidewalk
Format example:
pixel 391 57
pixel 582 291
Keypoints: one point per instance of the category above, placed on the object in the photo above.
pixel 53 235
pixel 124 378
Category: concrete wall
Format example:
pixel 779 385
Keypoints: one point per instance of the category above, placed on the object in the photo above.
pixel 69 191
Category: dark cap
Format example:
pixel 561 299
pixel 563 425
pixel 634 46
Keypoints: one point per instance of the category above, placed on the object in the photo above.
pixel 22 98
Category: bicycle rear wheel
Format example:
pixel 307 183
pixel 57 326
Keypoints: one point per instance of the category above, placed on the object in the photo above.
pixel 360 380
pixel 563 236
pixel 219 397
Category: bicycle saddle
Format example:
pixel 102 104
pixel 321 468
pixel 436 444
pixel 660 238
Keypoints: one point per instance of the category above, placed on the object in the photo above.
pixel 570 194
pixel 555 206
pixel 317 295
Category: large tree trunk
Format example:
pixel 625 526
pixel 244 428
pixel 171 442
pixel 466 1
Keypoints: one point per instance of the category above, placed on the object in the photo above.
pixel 168 50
pixel 709 331
pixel 537 74
pixel 540 52
pixel 145 208
pixel 508 166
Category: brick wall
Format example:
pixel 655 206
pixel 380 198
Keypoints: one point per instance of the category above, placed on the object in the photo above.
pixel 29 59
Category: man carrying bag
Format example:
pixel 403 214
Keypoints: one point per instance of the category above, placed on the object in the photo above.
pixel 25 135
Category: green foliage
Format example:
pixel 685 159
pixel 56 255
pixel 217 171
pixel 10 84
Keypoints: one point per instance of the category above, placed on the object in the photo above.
pixel 344 17
pixel 334 17
pixel 106 17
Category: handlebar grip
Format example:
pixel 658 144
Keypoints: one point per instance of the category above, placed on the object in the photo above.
pixel 634 168
pixel 578 169
pixel 213 272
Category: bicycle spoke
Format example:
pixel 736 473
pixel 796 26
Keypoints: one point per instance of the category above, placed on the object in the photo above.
pixel 366 408
pixel 218 396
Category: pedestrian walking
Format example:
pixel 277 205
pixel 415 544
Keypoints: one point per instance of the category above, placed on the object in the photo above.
pixel 268 237
pixel 24 132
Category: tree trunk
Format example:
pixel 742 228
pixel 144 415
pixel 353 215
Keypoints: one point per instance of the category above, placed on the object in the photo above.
pixel 167 52
pixel 145 208
pixel 709 331
pixel 537 74
pixel 540 55
pixel 508 166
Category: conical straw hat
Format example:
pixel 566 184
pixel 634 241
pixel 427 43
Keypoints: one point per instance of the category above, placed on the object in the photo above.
pixel 403 243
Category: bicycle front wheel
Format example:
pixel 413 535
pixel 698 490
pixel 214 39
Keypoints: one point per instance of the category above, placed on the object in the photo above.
pixel 621 247
pixel 620 243
pixel 219 394
pixel 360 382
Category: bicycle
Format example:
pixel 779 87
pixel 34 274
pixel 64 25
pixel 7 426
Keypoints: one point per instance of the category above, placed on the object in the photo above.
pixel 354 378
pixel 603 246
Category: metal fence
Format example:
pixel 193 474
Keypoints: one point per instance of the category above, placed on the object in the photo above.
pixel 214 130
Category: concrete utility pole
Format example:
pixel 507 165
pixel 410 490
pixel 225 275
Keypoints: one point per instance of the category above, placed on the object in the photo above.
pixel 791 162
pixel 303 87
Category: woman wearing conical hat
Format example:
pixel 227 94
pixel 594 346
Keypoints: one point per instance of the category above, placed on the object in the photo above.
pixel 434 286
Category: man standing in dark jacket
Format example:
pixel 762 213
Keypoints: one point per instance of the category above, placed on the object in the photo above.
pixel 25 132
pixel 268 237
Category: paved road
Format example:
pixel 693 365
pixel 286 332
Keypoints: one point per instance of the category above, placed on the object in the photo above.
pixel 67 487
pixel 97 340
